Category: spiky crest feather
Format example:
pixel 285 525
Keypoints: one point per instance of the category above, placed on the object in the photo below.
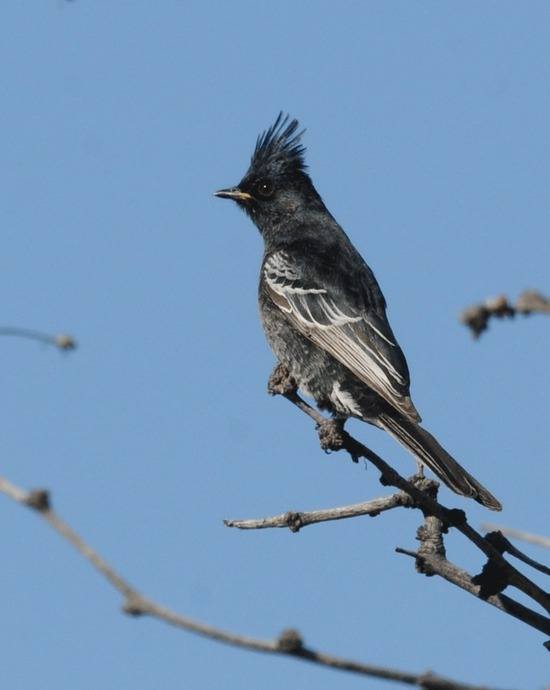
pixel 279 149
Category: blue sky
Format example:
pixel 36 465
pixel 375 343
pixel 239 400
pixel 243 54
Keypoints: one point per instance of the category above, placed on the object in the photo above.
pixel 428 138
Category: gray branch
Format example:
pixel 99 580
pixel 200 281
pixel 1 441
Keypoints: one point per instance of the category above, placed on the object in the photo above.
pixel 477 317
pixel 431 559
pixel 289 642
pixel 62 341
pixel 497 573
pixel 294 521
pixel 519 534
pixel 430 564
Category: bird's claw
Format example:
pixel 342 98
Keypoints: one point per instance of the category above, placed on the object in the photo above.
pixel 331 434
pixel 281 382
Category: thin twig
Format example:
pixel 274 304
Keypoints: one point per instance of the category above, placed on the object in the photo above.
pixel 294 521
pixel 477 317
pixel 518 534
pixel 289 642
pixel 62 341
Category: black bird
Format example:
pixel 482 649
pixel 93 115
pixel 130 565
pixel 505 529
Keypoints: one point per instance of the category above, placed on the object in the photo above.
pixel 322 310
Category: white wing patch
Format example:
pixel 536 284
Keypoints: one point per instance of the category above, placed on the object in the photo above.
pixel 344 400
pixel 349 337
pixel 280 273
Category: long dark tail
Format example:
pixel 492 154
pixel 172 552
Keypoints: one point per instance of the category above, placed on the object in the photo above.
pixel 426 448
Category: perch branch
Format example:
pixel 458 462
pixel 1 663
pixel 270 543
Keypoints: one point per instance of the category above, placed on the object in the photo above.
pixel 497 574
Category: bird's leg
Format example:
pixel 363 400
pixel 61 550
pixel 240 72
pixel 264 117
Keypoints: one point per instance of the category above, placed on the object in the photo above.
pixel 332 435
pixel 281 382
pixel 418 477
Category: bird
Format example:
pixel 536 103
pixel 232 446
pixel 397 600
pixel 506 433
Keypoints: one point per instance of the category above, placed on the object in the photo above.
pixel 322 310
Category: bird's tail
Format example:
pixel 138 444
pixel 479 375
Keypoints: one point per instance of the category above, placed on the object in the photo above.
pixel 426 448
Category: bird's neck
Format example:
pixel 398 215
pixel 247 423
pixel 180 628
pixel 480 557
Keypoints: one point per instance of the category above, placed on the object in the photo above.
pixel 283 221
pixel 300 226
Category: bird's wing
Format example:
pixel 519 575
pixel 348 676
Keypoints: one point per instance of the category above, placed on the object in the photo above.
pixel 352 333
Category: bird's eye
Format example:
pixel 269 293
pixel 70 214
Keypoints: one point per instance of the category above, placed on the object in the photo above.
pixel 264 189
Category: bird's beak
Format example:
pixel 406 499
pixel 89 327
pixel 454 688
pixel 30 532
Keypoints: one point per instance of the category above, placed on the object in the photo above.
pixel 233 193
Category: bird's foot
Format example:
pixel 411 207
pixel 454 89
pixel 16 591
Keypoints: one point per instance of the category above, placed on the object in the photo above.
pixel 419 479
pixel 331 434
pixel 430 486
pixel 281 382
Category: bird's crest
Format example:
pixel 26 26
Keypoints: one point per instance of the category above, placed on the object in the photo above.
pixel 279 148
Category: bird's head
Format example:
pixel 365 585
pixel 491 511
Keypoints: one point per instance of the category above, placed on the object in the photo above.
pixel 276 184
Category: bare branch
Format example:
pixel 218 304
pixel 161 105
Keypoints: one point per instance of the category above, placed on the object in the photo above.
pixel 62 341
pixel 518 534
pixel 477 317
pixel 289 642
pixel 431 564
pixel 431 559
pixel 296 520
pixel 505 546
pixel 497 574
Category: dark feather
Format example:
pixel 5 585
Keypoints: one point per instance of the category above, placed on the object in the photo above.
pixel 430 452
pixel 279 149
